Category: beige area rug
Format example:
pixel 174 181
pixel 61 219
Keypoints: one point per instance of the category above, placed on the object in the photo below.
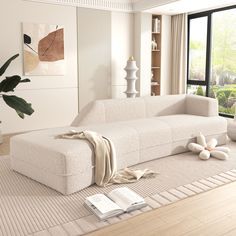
pixel 30 208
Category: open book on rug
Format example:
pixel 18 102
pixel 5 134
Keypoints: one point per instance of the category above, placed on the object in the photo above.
pixel 116 202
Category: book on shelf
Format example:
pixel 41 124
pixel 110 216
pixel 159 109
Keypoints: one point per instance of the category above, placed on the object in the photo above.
pixel 116 202
pixel 153 83
pixel 156 25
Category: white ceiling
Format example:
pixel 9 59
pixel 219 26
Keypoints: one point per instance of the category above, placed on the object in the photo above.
pixel 189 6
pixel 165 7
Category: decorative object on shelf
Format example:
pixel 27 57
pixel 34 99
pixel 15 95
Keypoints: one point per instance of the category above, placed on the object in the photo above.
pixel 8 85
pixel 43 49
pixel 156 25
pixel 152 75
pixel 131 78
pixel 207 149
pixel 154 44
pixel 231 129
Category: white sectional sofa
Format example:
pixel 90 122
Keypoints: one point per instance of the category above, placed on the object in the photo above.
pixel 142 129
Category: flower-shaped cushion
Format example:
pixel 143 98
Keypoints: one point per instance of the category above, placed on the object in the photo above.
pixel 205 150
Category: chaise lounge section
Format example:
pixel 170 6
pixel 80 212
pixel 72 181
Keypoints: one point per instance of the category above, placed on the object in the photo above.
pixel 141 129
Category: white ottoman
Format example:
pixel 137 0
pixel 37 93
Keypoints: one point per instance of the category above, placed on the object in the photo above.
pixel 65 165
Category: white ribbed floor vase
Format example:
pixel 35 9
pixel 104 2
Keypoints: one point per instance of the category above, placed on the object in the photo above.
pixel 30 208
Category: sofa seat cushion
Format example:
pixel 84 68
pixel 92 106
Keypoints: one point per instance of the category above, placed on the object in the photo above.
pixel 70 157
pixel 125 139
pixel 184 126
pixel 154 138
pixel 151 132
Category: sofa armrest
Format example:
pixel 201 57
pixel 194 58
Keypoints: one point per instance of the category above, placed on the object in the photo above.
pixel 201 106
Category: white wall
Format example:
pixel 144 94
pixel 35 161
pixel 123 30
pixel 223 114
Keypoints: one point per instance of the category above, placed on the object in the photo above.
pixel 54 98
pixel 142 36
pixel 122 47
pixel 166 55
pixel 105 42
pixel 94 47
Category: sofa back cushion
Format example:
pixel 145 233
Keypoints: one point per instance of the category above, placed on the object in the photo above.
pixel 165 105
pixel 113 110
pixel 201 106
pixel 92 113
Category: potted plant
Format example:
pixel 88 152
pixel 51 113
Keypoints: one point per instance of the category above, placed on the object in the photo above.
pixel 8 85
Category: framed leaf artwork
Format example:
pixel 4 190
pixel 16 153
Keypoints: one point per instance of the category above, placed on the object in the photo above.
pixel 43 47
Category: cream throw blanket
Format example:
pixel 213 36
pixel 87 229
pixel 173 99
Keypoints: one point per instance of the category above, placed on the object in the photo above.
pixel 105 160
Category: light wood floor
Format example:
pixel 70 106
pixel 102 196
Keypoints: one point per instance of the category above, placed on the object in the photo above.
pixel 211 213
pixel 5 147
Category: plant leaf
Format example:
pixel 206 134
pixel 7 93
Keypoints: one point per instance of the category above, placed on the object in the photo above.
pixel 20 114
pixel 9 83
pixel 27 39
pixel 18 104
pixel 7 63
pixel 25 80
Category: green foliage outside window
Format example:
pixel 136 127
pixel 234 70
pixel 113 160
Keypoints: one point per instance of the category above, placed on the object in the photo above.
pixel 200 91
pixel 223 61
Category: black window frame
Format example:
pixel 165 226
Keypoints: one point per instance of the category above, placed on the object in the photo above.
pixel 206 82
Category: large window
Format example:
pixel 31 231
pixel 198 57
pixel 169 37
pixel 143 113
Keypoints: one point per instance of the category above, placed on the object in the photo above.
pixel 212 57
